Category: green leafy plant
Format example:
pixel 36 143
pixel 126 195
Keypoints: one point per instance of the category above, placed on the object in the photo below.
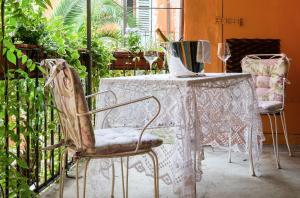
pixel 60 42
pixel 28 34
pixel 102 57
pixel 133 42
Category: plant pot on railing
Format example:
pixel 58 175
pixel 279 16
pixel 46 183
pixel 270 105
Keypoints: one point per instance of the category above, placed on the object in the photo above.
pixel 132 61
pixel 33 52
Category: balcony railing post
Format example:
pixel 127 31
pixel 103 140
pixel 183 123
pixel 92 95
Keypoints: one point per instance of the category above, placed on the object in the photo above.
pixel 89 50
pixel 6 120
pixel 52 141
pixel 45 133
pixel 18 118
pixel 36 140
pixel 27 137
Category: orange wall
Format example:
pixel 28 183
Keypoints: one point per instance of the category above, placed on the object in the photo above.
pixel 262 19
pixel 199 23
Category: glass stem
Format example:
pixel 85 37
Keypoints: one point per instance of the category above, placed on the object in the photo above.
pixel 224 69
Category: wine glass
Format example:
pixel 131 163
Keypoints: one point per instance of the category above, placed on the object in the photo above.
pixel 151 53
pixel 223 53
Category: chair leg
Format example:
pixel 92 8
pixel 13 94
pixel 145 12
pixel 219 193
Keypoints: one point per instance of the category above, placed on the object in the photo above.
pixel 275 141
pixel 154 172
pixel 125 178
pixel 127 175
pixel 250 140
pixel 154 158
pixel 195 169
pixel 229 144
pixel 62 174
pixel 85 173
pixel 123 182
pixel 283 122
pixel 113 179
pixel 77 181
pixel 157 173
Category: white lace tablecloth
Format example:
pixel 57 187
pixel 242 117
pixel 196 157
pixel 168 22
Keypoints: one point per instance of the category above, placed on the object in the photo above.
pixel 194 112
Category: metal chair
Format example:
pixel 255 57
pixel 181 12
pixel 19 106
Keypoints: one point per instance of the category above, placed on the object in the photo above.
pixel 81 140
pixel 269 72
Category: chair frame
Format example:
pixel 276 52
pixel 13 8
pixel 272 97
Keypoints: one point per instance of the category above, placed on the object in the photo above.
pixel 78 154
pixel 273 114
pixel 284 127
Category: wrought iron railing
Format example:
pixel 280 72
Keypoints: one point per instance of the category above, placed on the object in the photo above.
pixel 30 122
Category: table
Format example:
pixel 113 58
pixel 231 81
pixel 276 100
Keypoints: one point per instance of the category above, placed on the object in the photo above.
pixel 218 109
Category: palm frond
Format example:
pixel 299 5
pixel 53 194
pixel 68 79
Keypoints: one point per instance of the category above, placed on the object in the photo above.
pixel 71 11
pixel 107 11
pixel 76 15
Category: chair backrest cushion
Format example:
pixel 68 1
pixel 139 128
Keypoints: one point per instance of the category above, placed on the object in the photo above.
pixel 268 75
pixel 69 99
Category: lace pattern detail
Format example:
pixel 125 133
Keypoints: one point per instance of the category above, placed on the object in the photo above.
pixel 194 112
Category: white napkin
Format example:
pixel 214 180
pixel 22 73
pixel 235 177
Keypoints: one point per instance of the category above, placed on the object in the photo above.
pixel 177 68
pixel 203 51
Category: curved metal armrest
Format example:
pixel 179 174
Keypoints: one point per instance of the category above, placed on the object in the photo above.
pixel 128 103
pixel 102 92
pixel 54 146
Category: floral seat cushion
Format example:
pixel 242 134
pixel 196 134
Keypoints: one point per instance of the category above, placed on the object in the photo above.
pixel 269 106
pixel 118 140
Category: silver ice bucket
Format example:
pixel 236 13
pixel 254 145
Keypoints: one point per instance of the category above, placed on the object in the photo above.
pixel 187 52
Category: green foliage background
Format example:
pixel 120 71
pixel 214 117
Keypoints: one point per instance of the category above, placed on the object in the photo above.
pixel 24 105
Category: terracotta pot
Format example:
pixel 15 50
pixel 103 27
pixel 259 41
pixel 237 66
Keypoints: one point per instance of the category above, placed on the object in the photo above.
pixel 27 46
pixel 130 61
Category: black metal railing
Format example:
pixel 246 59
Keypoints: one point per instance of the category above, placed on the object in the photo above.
pixel 29 125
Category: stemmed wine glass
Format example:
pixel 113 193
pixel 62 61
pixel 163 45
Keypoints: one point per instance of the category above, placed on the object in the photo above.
pixel 151 53
pixel 224 53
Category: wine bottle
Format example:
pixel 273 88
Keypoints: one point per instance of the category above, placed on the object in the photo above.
pixel 161 35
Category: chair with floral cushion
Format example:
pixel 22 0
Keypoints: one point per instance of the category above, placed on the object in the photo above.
pixel 269 72
pixel 80 139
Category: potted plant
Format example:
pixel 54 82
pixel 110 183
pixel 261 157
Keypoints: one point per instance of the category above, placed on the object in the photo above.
pixel 132 57
pixel 25 42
